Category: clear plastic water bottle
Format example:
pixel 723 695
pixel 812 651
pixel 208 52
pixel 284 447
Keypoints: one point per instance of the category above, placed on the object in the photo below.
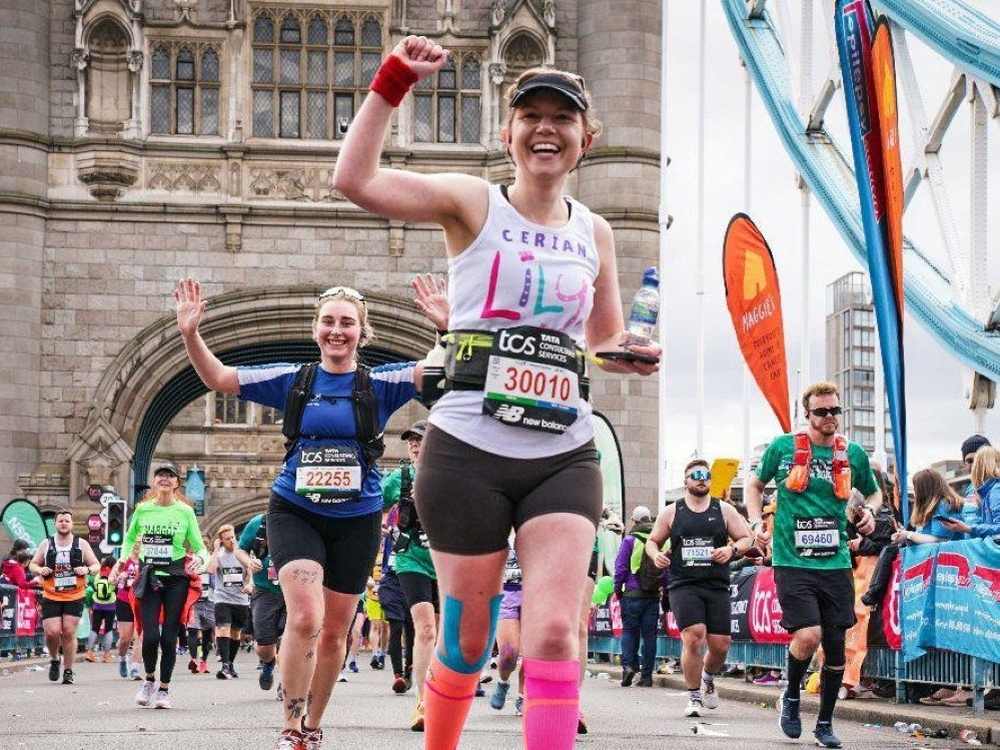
pixel 645 309
pixel 432 385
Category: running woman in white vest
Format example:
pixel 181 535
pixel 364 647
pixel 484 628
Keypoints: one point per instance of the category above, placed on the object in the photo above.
pixel 532 278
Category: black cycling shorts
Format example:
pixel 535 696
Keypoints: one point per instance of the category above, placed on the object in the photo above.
pixel 344 547
pixel 52 608
pixel 418 588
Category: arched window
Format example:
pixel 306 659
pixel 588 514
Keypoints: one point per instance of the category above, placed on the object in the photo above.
pixel 309 86
pixel 447 108
pixel 185 85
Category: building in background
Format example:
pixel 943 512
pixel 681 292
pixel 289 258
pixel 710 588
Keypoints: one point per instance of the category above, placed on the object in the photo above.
pixel 851 358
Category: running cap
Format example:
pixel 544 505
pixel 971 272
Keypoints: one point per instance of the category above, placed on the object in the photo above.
pixel 641 513
pixel 561 83
pixel 417 430
pixel 167 468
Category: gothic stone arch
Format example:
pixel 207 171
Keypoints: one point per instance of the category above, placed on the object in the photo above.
pixel 104 451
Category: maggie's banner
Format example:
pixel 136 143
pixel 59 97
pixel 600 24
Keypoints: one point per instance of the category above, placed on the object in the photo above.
pixel 754 302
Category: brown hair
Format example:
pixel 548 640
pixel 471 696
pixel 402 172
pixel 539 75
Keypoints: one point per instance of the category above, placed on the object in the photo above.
pixel 929 488
pixel 822 388
pixel 986 465
pixel 62 512
pixel 693 463
pixel 591 124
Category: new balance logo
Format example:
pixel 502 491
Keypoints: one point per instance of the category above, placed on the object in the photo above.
pixel 509 413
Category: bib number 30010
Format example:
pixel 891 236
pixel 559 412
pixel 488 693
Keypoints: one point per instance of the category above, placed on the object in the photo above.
pixel 532 380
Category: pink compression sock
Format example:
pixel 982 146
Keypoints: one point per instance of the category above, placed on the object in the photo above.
pixel 447 698
pixel 551 704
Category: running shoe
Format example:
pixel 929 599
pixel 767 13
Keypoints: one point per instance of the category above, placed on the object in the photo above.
pixel 89 656
pixel 693 708
pixel 825 737
pixel 353 666
pixel 628 675
pixel 709 697
pixel 767 679
pixel 67 677
pixel 399 685
pixel 181 650
pixel 417 724
pixel 162 699
pixel 145 695
pixel 134 674
pixel 374 662
pixel 499 698
pixel 266 677
pixel 312 739
pixel 193 665
pixel 222 674
pixel 232 672
pixel 291 739
pixel 789 719
pixel 123 669
pixel 106 657
pixel 203 667
pixel 519 706
pixel 581 724
pixel 54 670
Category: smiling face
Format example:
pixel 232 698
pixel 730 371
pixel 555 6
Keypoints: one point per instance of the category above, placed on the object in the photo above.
pixel 337 329
pixel 164 481
pixel 546 133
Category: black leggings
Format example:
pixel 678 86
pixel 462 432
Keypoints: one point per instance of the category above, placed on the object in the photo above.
pixel 206 636
pixel 396 631
pixel 156 636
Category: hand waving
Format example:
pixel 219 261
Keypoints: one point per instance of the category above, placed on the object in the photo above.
pixel 190 306
pixel 432 299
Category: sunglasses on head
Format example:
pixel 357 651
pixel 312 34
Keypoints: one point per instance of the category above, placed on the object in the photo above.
pixel 700 475
pixel 827 411
pixel 344 291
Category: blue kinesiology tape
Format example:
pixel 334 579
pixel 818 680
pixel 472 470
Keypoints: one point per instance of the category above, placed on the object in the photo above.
pixel 451 621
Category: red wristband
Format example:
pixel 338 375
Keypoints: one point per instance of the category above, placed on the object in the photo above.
pixel 393 80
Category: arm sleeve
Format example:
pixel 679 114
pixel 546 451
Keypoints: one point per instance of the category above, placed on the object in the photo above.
pixel 249 534
pixel 861 470
pixel 390 488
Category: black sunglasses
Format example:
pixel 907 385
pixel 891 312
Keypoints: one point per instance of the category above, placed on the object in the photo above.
pixel 827 411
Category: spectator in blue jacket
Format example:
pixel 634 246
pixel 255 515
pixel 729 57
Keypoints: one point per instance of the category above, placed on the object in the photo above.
pixel 986 480
pixel 640 605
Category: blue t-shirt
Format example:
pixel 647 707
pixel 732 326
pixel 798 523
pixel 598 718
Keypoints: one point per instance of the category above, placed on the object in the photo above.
pixel 328 421
pixel 938 529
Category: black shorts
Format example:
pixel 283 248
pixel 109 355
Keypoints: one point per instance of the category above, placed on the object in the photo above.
pixel 697 605
pixel 267 609
pixel 811 597
pixel 100 617
pixel 344 547
pixel 233 616
pixel 468 500
pixel 123 611
pixel 418 588
pixel 62 609
pixel 392 598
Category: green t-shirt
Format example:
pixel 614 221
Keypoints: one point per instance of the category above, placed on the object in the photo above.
pixel 810 527
pixel 163 530
pixel 415 559
pixel 261 579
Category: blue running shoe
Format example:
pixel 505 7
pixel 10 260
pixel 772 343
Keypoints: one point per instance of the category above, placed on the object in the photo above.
pixel 825 737
pixel 789 720
pixel 266 677
pixel 123 668
pixel 499 698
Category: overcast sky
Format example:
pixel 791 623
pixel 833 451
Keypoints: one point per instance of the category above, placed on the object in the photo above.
pixel 938 417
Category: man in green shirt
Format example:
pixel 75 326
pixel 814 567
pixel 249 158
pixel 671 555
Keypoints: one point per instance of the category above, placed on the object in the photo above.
pixel 267 603
pixel 413 564
pixel 814 472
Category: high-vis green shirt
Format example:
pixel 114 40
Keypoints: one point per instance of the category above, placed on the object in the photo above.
pixel 162 531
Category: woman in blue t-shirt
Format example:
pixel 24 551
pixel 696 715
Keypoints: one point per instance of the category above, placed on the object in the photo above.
pixel 933 500
pixel 325 511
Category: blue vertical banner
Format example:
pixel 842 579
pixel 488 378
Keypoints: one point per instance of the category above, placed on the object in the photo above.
pixel 916 600
pixel 871 108
pixel 194 489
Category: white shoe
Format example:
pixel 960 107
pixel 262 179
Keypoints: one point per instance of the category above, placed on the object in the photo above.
pixel 709 698
pixel 162 699
pixel 693 708
pixel 145 695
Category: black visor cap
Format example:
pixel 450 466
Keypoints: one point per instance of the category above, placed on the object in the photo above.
pixel 553 82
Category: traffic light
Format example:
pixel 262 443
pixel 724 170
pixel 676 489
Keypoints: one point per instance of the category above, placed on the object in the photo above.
pixel 114 529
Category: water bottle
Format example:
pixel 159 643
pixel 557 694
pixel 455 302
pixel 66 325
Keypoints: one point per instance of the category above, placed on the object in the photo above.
pixel 645 308
pixel 432 384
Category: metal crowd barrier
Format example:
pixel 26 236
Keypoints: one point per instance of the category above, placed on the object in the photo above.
pixel 935 667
